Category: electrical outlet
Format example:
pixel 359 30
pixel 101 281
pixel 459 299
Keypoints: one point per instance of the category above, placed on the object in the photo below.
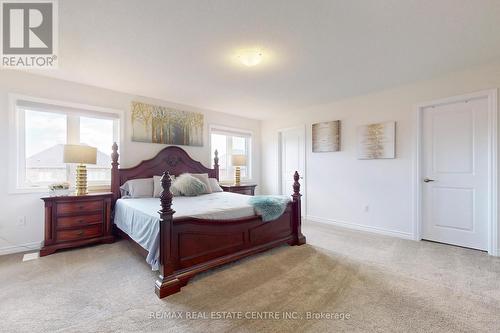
pixel 21 221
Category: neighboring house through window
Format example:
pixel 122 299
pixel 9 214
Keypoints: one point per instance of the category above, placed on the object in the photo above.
pixel 41 131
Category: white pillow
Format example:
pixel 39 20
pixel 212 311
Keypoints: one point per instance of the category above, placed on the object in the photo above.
pixel 157 189
pixel 189 185
pixel 203 177
pixel 138 188
pixel 214 185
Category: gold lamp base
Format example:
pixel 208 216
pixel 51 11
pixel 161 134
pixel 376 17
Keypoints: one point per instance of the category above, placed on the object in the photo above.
pixel 81 180
pixel 237 176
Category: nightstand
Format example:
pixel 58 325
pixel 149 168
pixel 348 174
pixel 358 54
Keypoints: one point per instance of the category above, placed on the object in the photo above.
pixel 73 220
pixel 248 189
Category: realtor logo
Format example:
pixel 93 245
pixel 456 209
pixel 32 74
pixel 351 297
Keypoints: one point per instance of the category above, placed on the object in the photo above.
pixel 29 34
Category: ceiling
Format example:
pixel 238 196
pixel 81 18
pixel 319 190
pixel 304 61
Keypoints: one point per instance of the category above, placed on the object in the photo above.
pixel 315 51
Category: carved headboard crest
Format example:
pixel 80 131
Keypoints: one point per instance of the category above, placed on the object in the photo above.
pixel 173 159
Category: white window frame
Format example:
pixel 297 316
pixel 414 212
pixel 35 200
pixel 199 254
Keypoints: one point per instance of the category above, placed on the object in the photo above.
pixel 235 132
pixel 16 161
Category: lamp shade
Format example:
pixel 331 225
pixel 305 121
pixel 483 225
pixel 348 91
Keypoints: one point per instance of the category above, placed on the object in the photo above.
pixel 80 154
pixel 239 160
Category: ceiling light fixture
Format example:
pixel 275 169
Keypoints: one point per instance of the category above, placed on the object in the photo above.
pixel 250 57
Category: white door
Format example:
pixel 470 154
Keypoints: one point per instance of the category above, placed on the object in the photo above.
pixel 292 149
pixel 455 173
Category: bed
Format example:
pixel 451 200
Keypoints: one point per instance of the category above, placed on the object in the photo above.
pixel 140 220
pixel 189 235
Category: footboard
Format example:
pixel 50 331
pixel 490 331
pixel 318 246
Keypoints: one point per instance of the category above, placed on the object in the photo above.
pixel 189 246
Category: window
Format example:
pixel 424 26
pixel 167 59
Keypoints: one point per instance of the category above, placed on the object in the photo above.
pixel 42 131
pixel 45 133
pixel 99 133
pixel 229 142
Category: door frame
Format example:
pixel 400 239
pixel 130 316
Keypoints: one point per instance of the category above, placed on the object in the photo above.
pixel 417 191
pixel 303 188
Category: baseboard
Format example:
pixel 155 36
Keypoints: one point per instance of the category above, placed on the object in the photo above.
pixel 20 248
pixel 361 227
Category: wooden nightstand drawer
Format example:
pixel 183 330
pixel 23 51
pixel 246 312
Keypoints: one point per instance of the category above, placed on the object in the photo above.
pixel 75 234
pixel 247 189
pixel 79 207
pixel 76 220
pixel 79 221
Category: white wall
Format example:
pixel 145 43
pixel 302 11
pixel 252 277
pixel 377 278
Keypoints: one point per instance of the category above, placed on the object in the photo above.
pixel 338 185
pixel 12 206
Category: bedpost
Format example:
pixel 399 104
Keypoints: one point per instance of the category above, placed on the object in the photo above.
pixel 115 174
pixel 167 283
pixel 297 215
pixel 216 164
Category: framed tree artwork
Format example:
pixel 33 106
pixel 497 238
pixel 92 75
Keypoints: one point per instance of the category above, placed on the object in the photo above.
pixel 159 124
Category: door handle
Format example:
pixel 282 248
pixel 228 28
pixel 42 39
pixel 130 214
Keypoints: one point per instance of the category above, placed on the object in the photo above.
pixel 427 180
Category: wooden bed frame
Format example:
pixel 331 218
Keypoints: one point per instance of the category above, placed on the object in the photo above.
pixel 189 246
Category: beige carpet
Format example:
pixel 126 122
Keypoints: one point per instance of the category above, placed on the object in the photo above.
pixel 382 284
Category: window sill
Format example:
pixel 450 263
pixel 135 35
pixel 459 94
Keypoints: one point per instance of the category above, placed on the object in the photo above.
pixel 28 190
pixel 45 190
pixel 99 188
pixel 231 181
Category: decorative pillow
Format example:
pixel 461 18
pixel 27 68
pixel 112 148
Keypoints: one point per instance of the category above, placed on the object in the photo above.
pixel 189 185
pixel 214 185
pixel 175 191
pixel 137 188
pixel 158 188
pixel 203 177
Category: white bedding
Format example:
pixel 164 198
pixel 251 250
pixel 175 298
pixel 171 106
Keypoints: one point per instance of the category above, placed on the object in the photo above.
pixel 139 217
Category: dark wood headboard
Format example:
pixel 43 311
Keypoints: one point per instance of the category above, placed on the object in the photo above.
pixel 173 159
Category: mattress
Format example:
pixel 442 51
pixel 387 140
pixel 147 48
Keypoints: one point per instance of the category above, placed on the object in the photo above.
pixel 139 217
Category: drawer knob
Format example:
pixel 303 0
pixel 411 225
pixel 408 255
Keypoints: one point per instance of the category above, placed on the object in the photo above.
pixel 80 221
pixel 80 233
pixel 81 207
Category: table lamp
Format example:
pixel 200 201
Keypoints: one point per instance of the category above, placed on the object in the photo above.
pixel 238 161
pixel 81 155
